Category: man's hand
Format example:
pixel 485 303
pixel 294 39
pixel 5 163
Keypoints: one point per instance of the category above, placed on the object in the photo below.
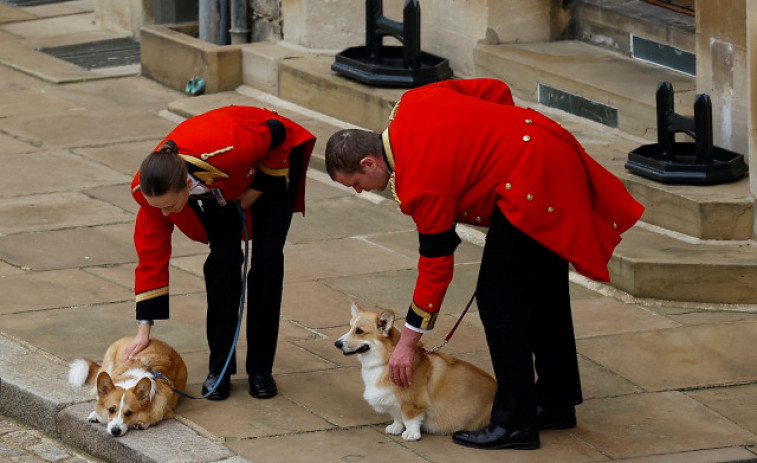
pixel 401 361
pixel 248 197
pixel 141 340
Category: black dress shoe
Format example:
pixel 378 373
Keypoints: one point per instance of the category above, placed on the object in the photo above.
pixel 263 386
pixel 221 392
pixel 556 418
pixel 498 437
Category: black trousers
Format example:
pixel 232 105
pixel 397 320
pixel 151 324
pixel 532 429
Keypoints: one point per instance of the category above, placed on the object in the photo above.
pixel 271 218
pixel 524 303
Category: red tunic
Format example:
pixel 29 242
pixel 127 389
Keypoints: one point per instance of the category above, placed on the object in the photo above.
pixel 460 147
pixel 227 145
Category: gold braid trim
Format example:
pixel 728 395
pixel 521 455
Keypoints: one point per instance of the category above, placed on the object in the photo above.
pixel 282 172
pixel 152 294
pixel 390 159
pixel 205 156
pixel 209 172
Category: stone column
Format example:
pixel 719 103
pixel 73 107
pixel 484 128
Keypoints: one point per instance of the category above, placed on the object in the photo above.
pixel 721 49
pixel 751 15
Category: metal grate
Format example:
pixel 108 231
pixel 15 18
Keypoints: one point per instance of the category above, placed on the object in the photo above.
pixel 23 3
pixel 95 55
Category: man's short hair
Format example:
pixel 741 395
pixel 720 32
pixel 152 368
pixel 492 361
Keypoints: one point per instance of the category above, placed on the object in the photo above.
pixel 346 148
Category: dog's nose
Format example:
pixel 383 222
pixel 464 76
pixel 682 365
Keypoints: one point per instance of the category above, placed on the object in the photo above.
pixel 115 432
pixel 338 343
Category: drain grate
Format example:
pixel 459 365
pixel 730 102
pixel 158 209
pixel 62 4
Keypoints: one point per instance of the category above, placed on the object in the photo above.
pixel 22 3
pixel 101 54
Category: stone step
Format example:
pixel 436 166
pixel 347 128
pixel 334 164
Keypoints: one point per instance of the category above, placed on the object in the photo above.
pixel 586 80
pixel 619 25
pixel 652 265
pixel 680 255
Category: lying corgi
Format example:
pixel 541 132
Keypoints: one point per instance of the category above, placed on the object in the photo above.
pixel 128 393
pixel 447 394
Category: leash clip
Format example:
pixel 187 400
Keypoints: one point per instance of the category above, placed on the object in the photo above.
pixel 441 344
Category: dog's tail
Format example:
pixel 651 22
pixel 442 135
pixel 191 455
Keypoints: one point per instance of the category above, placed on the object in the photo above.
pixel 82 372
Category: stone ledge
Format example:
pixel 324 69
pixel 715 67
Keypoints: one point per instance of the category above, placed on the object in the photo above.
pixel 171 55
pixel 166 441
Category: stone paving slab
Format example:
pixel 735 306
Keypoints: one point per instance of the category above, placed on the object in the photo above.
pixel 649 424
pixel 33 291
pixel 56 211
pixel 63 172
pixel 11 145
pixel 31 102
pixel 347 221
pixel 121 157
pixel 84 128
pixel 52 26
pixel 10 15
pixel 735 402
pixel 55 250
pixel 696 356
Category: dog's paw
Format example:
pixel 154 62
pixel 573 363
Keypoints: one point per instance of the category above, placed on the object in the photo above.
pixel 141 426
pixel 395 429
pixel 92 418
pixel 411 435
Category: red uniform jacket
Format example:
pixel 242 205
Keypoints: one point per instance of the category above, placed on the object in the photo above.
pixel 224 147
pixel 460 147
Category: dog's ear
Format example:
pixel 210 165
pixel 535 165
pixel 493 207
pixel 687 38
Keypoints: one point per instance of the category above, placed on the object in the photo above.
pixel 354 309
pixel 104 384
pixel 385 322
pixel 142 390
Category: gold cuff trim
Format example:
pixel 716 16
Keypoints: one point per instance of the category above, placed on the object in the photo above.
pixel 429 319
pixel 282 172
pixel 152 294
pixel 209 172
pixel 388 148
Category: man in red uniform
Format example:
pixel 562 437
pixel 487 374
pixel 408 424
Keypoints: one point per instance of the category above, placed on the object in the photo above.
pixel 460 151
pixel 193 181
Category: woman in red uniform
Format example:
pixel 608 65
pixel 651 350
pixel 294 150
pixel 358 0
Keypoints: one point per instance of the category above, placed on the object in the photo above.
pixel 194 180
pixel 460 151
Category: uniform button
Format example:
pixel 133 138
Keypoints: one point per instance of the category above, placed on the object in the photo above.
pixel 550 209
pixel 431 306
pixel 529 121
pixel 526 138
pixel 615 225
pixel 508 186
pixel 478 219
pixel 530 197
pixel 464 214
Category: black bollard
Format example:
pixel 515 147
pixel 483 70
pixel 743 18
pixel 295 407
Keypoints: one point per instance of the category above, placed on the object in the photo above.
pixel 391 66
pixel 700 162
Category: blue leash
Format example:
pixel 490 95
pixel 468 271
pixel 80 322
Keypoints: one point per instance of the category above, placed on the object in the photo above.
pixel 160 376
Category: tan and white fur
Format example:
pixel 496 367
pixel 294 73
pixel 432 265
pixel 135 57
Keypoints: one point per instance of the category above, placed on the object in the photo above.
pixel 129 396
pixel 446 395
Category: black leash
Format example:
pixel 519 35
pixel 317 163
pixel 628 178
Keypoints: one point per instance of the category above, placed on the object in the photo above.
pixel 160 376
pixel 452 331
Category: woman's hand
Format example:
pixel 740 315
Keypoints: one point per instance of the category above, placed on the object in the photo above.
pixel 141 340
pixel 248 197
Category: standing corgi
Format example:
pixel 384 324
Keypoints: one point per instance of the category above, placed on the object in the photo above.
pixel 128 393
pixel 447 394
